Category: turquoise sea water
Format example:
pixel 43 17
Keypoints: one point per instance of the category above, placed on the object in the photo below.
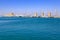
pixel 15 28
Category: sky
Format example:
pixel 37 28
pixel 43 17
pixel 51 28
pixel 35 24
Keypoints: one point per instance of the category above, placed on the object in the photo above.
pixel 28 6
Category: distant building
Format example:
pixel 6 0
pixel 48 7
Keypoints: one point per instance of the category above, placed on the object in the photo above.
pixel 36 15
pixel 42 15
pixel 56 13
pixel 49 14
pixel 10 14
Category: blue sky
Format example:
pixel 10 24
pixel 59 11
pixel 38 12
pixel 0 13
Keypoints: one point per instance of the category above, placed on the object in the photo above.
pixel 28 6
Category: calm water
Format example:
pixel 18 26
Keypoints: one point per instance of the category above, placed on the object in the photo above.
pixel 29 28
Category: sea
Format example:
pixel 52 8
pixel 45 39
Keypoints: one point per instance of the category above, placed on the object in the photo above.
pixel 25 28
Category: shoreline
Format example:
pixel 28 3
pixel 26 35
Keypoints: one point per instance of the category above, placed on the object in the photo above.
pixel 25 17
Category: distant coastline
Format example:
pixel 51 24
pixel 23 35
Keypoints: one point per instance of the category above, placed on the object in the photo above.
pixel 26 17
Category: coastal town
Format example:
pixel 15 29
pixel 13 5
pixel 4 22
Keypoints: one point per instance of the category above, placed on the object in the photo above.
pixel 43 15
